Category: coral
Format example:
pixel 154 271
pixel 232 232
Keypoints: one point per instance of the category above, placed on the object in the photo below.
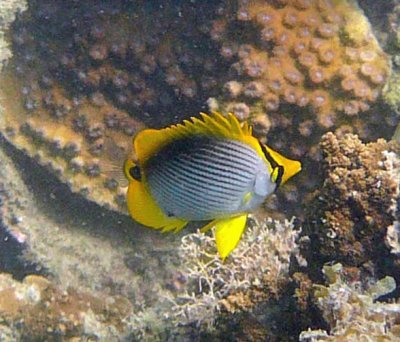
pixel 353 314
pixel 36 309
pixel 256 271
pixel 349 216
pixel 90 75
pixel 317 56
pixel 320 57
pixel 391 92
pixel 320 68
pixel 78 245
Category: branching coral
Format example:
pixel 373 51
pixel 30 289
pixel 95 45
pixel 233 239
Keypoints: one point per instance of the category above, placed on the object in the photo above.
pixel 348 218
pixel 353 313
pixel 256 271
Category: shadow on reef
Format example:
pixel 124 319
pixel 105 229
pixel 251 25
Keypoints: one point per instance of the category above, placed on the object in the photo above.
pixel 11 249
pixel 10 257
pixel 55 200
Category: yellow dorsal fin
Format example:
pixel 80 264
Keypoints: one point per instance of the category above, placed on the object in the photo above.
pixel 148 142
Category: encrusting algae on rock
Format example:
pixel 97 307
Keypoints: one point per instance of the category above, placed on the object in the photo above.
pixel 353 313
pixel 351 215
pixel 36 309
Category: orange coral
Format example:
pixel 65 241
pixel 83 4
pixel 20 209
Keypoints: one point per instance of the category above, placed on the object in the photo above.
pixel 96 76
pixel 310 54
pixel 319 65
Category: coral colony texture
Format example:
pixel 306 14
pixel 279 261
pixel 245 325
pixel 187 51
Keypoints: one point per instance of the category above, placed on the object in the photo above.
pixel 353 218
pixel 257 271
pixel 353 313
pixel 318 57
pixel 80 78
pixel 90 75
pixel 298 69
pixel 41 311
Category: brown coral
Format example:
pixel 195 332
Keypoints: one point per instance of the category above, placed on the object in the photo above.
pixel 36 309
pixel 349 216
pixel 315 46
pixel 90 75
pixel 321 68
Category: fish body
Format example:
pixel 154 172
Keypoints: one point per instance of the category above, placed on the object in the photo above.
pixel 204 169
pixel 204 178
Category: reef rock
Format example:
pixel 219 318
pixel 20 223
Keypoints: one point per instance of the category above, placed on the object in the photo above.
pixel 36 309
pixel 353 218
pixel 82 247
pixel 353 313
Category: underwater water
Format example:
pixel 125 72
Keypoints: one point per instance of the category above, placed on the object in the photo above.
pixel 317 80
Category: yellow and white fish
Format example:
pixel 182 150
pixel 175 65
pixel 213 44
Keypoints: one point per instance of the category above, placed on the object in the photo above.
pixel 211 168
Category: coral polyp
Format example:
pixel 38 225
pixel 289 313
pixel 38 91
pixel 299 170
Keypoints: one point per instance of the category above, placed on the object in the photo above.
pixel 94 75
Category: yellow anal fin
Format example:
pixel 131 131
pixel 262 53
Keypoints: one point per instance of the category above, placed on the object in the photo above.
pixel 144 209
pixel 228 233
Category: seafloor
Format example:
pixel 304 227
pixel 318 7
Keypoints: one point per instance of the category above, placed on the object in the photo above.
pixel 317 79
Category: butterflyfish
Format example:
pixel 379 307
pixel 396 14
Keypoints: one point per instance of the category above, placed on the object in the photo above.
pixel 206 169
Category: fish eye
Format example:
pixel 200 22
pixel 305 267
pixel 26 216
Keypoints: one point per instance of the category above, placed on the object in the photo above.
pixel 131 170
pixel 134 172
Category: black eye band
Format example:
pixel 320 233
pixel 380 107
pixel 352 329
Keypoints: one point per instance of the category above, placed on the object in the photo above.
pixel 134 172
pixel 280 175
pixel 274 165
pixel 268 156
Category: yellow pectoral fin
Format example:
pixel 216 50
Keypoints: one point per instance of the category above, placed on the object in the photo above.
pixel 228 233
pixel 144 209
